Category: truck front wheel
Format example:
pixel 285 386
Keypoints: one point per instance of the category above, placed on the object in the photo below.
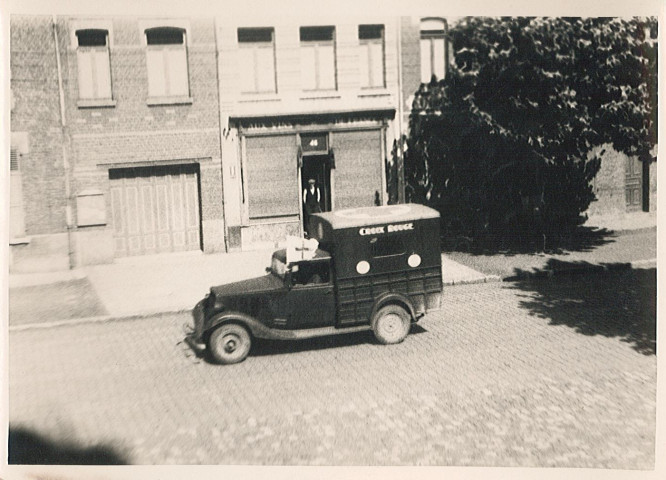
pixel 391 324
pixel 229 343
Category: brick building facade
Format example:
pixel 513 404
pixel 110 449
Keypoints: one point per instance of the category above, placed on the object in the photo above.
pixel 304 100
pixel 115 125
pixel 134 136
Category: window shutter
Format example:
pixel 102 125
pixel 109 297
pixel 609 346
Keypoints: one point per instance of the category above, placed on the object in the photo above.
pixel 326 67
pixel 13 160
pixel 102 73
pixel 177 71
pixel 376 64
pixel 426 71
pixel 156 72
pixel 366 80
pixel 247 73
pixel 438 57
pixel 273 187
pixel 265 69
pixel 85 67
pixel 308 68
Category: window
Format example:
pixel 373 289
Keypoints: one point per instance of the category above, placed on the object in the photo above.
pixel 387 246
pixel 318 58
pixel 92 56
pixel 257 59
pixel 166 57
pixel 17 154
pixel 434 50
pixel 371 40
pixel 310 273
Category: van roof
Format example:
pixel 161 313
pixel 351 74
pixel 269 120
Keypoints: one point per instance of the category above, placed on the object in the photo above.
pixel 359 217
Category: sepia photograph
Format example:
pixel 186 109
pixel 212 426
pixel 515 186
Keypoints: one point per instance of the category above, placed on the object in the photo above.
pixel 312 235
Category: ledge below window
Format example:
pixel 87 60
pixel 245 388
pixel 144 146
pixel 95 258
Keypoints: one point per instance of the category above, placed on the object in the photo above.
pixel 19 241
pixel 377 92
pixel 154 101
pixel 320 95
pixel 96 103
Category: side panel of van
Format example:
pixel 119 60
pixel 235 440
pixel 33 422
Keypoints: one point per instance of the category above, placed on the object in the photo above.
pixel 356 296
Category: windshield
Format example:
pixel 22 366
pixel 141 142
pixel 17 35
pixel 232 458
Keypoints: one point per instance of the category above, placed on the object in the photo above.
pixel 278 267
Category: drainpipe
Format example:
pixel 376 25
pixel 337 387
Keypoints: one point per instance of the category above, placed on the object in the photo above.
pixel 400 169
pixel 65 142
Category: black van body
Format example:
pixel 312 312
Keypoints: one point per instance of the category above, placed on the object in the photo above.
pixel 375 268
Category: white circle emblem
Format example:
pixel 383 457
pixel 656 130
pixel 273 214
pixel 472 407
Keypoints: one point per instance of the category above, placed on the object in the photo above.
pixel 414 260
pixel 362 267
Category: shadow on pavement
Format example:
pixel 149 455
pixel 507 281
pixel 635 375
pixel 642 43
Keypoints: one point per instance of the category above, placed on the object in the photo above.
pixel 621 305
pixel 27 447
pixel 263 347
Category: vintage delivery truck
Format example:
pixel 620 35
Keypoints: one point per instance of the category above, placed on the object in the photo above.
pixel 374 268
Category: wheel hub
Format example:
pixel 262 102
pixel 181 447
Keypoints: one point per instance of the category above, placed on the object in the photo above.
pixel 230 345
pixel 392 324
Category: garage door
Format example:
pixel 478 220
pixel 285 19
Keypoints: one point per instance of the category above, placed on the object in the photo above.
pixel 155 209
pixel 358 168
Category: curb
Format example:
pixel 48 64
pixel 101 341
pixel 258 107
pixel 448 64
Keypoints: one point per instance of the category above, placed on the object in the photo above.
pixel 484 279
pixel 585 268
pixel 98 319
pixel 589 268
pixel 624 231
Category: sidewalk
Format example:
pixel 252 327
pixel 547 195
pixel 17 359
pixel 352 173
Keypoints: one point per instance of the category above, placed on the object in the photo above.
pixel 144 286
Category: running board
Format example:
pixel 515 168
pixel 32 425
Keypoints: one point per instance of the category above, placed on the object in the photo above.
pixel 277 334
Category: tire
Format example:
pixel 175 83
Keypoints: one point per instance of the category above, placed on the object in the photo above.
pixel 229 343
pixel 391 324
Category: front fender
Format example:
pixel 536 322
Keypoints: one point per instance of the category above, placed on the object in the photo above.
pixel 396 299
pixel 256 328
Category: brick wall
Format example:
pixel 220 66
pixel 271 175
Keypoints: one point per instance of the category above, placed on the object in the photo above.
pixel 36 111
pixel 117 135
pixel 130 84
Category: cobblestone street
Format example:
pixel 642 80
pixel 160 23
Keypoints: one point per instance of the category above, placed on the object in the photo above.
pixel 555 372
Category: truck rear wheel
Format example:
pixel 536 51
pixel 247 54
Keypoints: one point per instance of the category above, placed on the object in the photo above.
pixel 229 343
pixel 391 324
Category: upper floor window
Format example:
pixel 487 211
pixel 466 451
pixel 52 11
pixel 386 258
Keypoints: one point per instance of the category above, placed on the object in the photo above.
pixel 13 160
pixel 371 40
pixel 318 58
pixel 92 56
pixel 257 59
pixel 434 50
pixel 166 56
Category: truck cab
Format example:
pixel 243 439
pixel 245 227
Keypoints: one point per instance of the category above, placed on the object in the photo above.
pixel 371 268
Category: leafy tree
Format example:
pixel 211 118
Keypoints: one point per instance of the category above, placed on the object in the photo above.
pixel 501 146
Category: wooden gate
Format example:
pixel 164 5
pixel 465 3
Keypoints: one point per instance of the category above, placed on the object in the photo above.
pixel 155 209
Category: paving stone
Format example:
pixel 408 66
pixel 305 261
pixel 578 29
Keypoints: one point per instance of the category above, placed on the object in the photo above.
pixel 509 380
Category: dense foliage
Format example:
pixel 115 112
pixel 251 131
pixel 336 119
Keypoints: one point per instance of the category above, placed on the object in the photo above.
pixel 501 145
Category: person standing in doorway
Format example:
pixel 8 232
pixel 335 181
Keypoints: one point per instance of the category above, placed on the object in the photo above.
pixel 311 201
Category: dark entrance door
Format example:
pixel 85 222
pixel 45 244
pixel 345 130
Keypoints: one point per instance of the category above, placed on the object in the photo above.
pixel 319 168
